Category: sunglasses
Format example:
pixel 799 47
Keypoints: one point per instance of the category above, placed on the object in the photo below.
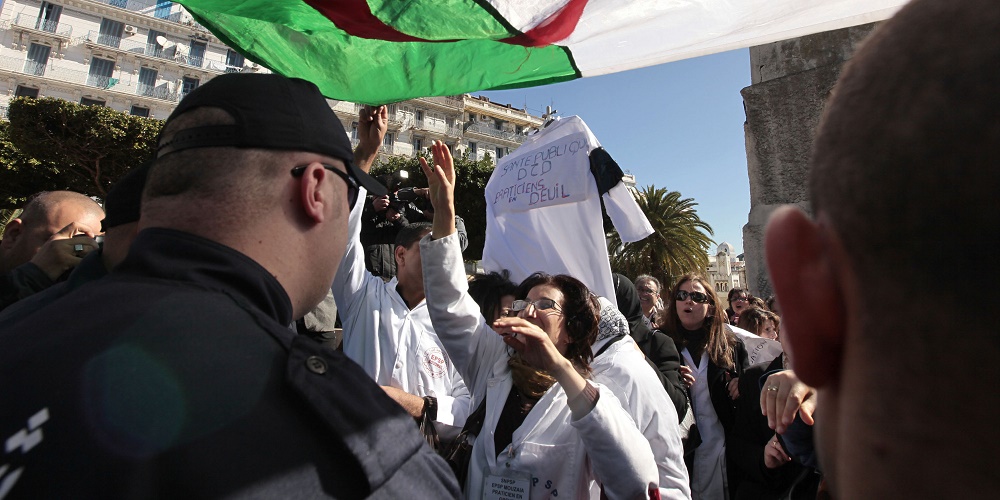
pixel 740 299
pixel 352 185
pixel 540 304
pixel 695 296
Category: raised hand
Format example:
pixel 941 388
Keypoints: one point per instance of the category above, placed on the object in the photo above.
pixel 441 185
pixel 372 125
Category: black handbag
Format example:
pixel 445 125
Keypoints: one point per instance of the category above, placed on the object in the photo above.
pixel 459 453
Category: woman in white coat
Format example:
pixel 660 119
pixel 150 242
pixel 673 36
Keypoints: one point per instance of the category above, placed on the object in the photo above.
pixel 548 431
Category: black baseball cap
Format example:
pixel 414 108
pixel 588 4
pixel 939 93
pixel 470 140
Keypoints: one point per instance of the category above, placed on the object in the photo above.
pixel 121 205
pixel 271 112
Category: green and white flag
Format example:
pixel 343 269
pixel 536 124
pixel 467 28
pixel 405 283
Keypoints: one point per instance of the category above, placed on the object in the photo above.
pixel 378 51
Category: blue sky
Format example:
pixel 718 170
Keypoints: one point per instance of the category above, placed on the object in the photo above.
pixel 677 126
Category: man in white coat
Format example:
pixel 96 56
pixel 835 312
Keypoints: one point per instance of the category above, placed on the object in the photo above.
pixel 387 329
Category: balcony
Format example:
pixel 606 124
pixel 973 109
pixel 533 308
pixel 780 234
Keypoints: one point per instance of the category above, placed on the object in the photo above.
pixel 49 72
pixel 34 24
pixel 492 132
pixel 452 102
pixel 160 92
pixel 148 8
pixel 473 104
pixel 95 39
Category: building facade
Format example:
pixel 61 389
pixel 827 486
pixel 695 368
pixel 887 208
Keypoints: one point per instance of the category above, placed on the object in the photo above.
pixel 143 56
pixel 726 270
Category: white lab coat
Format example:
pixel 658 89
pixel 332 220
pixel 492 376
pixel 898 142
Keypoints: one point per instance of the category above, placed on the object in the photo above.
pixel 622 368
pixel 567 458
pixel 710 456
pixel 394 344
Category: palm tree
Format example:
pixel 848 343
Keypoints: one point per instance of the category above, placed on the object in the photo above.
pixel 679 242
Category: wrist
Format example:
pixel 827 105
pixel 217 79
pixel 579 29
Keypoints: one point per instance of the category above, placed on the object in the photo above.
pixel 430 409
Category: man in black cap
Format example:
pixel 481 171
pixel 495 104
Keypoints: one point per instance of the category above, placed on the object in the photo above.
pixel 188 382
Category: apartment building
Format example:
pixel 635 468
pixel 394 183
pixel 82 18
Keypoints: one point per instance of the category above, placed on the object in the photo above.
pixel 143 56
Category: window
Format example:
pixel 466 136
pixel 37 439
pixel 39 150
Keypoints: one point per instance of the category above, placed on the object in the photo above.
pixel 38 57
pixel 420 115
pixel 196 54
pixel 48 17
pixel 418 143
pixel 163 8
pixel 121 4
pixel 147 82
pixel 86 101
pixel 450 122
pixel 498 124
pixel 100 73
pixel 111 33
pixel 189 84
pixel 518 129
pixel 139 111
pixel 354 131
pixel 23 91
pixel 472 148
pixel 500 153
pixel 153 47
pixel 392 108
pixel 389 139
pixel 234 61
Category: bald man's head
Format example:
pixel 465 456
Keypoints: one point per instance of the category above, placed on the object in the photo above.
pixel 44 215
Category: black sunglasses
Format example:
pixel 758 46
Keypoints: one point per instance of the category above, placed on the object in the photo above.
pixel 352 185
pixel 698 297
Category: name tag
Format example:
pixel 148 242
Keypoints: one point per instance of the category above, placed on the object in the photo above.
pixel 506 484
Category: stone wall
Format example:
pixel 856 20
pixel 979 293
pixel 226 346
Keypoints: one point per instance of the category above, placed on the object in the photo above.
pixel 790 81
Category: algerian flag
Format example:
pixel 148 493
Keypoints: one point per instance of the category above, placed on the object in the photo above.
pixel 378 51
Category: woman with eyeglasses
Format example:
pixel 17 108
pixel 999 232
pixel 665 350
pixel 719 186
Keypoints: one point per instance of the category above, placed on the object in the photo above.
pixel 549 430
pixel 715 359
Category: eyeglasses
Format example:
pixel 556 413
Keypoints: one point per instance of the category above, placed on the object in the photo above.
pixel 352 185
pixel 540 304
pixel 742 298
pixel 698 297
pixel 645 290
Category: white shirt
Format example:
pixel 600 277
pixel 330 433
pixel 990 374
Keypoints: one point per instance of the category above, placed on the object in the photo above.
pixel 569 458
pixel 543 210
pixel 394 344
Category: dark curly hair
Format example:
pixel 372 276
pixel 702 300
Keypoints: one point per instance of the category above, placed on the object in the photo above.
pixel 488 289
pixel 580 310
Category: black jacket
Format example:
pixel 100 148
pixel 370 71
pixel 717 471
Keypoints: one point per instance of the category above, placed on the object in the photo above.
pixel 22 281
pixel 176 376
pixel 746 442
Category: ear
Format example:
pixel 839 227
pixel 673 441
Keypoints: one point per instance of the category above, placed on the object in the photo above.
pixel 11 232
pixel 805 281
pixel 400 253
pixel 315 202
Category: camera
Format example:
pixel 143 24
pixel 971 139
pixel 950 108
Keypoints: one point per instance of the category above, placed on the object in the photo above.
pixel 399 199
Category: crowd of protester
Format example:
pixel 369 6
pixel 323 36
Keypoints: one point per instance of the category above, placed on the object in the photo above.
pixel 178 341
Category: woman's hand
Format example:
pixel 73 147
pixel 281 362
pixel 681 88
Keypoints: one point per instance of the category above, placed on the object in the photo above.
pixel 734 388
pixel 774 454
pixel 783 396
pixel 531 342
pixel 687 376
